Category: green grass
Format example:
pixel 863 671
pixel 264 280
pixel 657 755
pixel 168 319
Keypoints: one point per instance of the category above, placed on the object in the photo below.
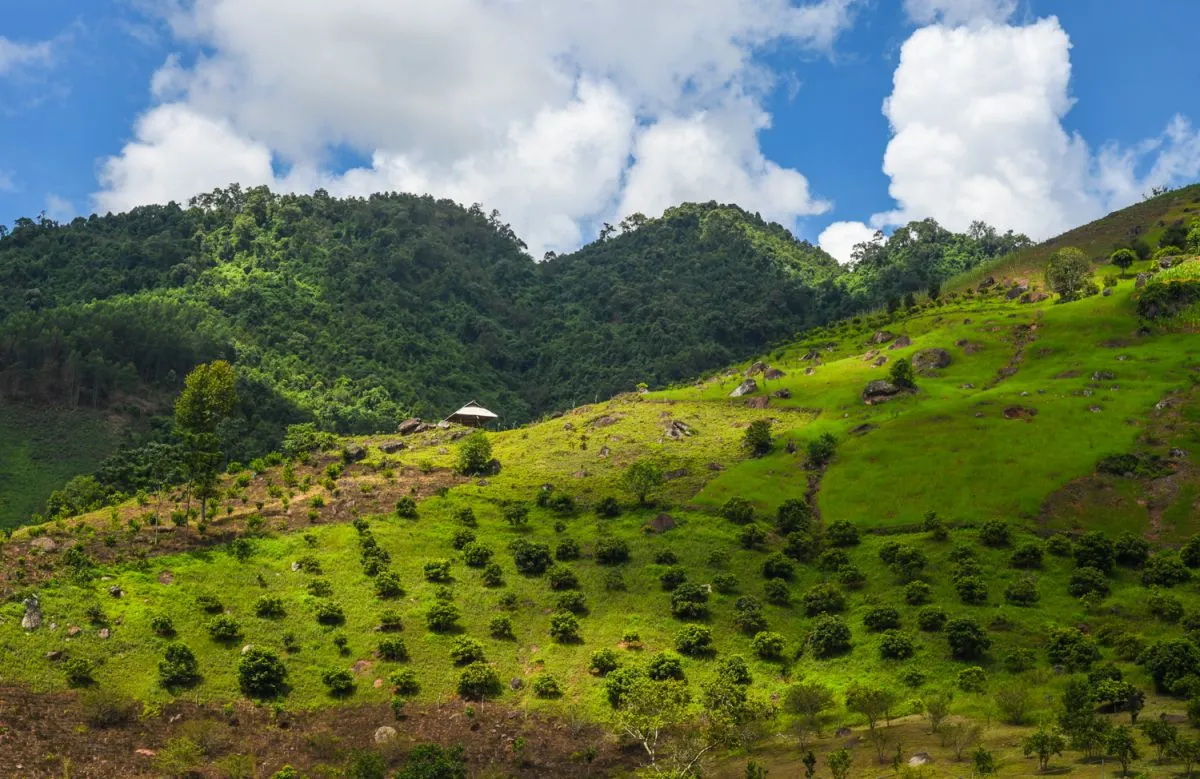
pixel 40 449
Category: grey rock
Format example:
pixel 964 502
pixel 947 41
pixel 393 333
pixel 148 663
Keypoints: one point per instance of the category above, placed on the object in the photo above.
pixel 43 544
pixel 104 633
pixel 745 388
pixel 757 368
pixel 353 453
pixel 385 734
pixel 391 447
pixel 33 613
pixel 782 394
pixel 516 683
pixel 116 591
pixel 882 337
pixel 1103 376
pixel 1141 280
pixel 678 473
pixel 880 391
pixel 409 426
pixel 773 373
pixel 901 342
pixel 931 359
pixel 1016 292
pixel 1107 292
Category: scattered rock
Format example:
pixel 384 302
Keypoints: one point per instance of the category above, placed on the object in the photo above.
pixel 1016 292
pixel 745 388
pixel 966 386
pixel 920 759
pixel 967 321
pixel 246 649
pixel 54 655
pixel 930 359
pixel 809 371
pixel 880 391
pixel 782 394
pixel 296 565
pixel 988 282
pixel 443 450
pixel 870 355
pixel 604 421
pixel 410 426
pixel 882 337
pixel 773 373
pixel 568 426
pixel 361 666
pixel 43 544
pixel 104 633
pixel 662 523
pixel 1019 412
pixel 166 577
pixel 482 483
pixel 756 368
pixel 677 430
pixel 33 613
pixel 516 683
pixel 116 591
pixel 812 355
pixel 143 752
pixel 1178 454
pixel 353 453
pixel 391 447
pixel 842 732
pixel 862 429
pixel 1107 292
pixel 1095 409
pixel 604 452
pixel 377 683
pixel 880 361
pixel 759 402
pixel 678 473
pixel 1103 376
pixel 1141 280
pixel 385 734
pixel 791 447
pixel 901 342
pixel 716 467
pixel 74 630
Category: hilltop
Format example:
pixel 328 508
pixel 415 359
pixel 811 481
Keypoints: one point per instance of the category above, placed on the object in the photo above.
pixel 1012 543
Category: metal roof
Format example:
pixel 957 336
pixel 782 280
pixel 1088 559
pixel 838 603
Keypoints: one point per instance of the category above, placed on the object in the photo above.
pixel 473 409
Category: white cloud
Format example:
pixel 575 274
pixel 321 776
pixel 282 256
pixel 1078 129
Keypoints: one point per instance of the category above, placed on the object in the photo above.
pixel 59 208
pixel 957 12
pixel 535 107
pixel 840 238
pixel 976 115
pixel 7 182
pixel 15 55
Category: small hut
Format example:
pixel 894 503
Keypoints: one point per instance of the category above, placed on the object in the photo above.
pixel 472 415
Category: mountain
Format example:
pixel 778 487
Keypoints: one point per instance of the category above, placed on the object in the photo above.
pixel 356 313
pixel 675 575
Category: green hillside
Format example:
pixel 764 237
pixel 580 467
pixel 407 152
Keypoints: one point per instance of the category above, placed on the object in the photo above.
pixel 1011 545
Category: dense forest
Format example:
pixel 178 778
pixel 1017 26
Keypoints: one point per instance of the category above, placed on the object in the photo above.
pixel 354 313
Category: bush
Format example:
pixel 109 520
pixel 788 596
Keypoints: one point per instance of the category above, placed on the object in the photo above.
pixel 777 592
pixel 851 577
pixel 971 590
pixel 560 577
pixel 78 672
pixel 465 516
pixel 672 578
pixel 269 607
pixel 752 536
pixel 604 661
pixel 1022 592
pixel 725 583
pixel 1070 648
pixel 966 638
pixel 881 618
pixel 261 674
pixel 545 686
pixel 162 625
pixel 1069 274
pixel 1190 553
pixel 224 629
pixel 612 580
pixel 1060 545
pixel 820 450
pixel 608 508
pixel 319 588
pixel 1165 607
pixel 895 645
pixel 793 515
pixel 802 545
pixel 1165 570
pixel 931 619
pixel 693 640
pixel 209 604
pixel 901 374
pixel 1087 580
pixel 642 478
pixel 478 681
pixel 492 576
pixel 994 532
pixel 1017 661
pixel 107 709
pixel 178 668
pixel 611 551
pixel 515 514
pixel 393 649
pixel 437 571
pixel 823 599
pixel 748 616
pixel 442 617
pixel 406 508
pixel 829 637
pixel 338 681
pixel 842 533
pixel 663 667
pixel 330 613
pixel 918 593
pixel 972 679
pixel 501 626
pixel 572 601
pixel 461 538
pixel 531 558
pixel 1028 555
pixel 475 455
pixel 907 562
pixel 567 549
pixel 734 670
pixel 387 585
pixel 404 682
pixel 778 566
pixel 1094 550
pixel 564 627
pixel 466 650
pixel 757 438
pixel 767 645
pixel 1131 551
pixel 689 601
pixel 1173 664
pixel 430 761
pixel 738 510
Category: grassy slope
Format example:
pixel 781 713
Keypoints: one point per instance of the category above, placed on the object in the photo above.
pixel 40 449
pixel 927 452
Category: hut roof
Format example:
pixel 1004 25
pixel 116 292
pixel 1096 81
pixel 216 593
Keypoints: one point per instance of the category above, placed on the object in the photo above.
pixel 473 409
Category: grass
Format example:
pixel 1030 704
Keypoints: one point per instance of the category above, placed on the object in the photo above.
pixel 40 449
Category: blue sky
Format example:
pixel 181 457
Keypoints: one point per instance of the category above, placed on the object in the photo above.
pixel 588 114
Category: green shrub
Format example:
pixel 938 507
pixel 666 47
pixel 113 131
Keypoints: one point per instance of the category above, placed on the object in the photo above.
pixel 478 681
pixel 475 455
pixel 757 438
pixel 1017 661
pixel 971 590
pixel 604 661
pixel 545 686
pixel 404 682
pixel 995 532
pixel 1165 569
pixel 572 601
pixel 768 645
pixel 462 538
pixel 608 508
pixel 895 645
pixel 1165 607
pixel 393 649
pixel 777 592
pixel 851 577
pixel 725 583
pixel 338 681
pixel 663 667
pixel 567 549
pixel 564 627
pixel 78 671
pixel 972 679
pixel 437 571
pixel 823 599
pixel 966 638
pixel 778 566
pixel 1087 580
pixel 611 551
pixel 466 650
pixel 442 617
pixel 1094 550
pixel 881 618
pixel 748 616
pixel 918 593
pixel 560 577
pixel 1027 555
pixel 1022 592
pixel 672 578
pixel 830 636
pixel 162 625
pixel 690 601
pixel 515 514
pixel 820 450
pixel 752 536
pixel 319 588
pixel 1131 551
pixel 531 558
pixel 179 667
pixel 931 619
pixel 1070 648
pixel 224 629
pixel 269 607
pixel 842 534
pixel 261 674
pixel 738 510
pixel 465 516
pixel 492 576
pixel 693 640
pixel 793 515
pixel 330 613
pixel 1060 545
pixel 209 604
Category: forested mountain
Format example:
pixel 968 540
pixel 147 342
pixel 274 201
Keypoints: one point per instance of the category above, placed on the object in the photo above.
pixel 354 313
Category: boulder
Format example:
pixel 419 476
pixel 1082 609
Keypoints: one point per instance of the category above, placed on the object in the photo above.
pixel 353 453
pixel 791 447
pixel 165 577
pixel 901 342
pixel 1141 280
pixel 1103 376
pixel 604 421
pixel 385 734
pixel 409 426
pixel 661 523
pixel 745 388
pixel 773 373
pixel 104 633
pixel 677 430
pixel 809 371
pixel 880 361
pixel 870 355
pixel 812 355
pixel 880 391
pixel 716 467
pixel 782 394
pixel 391 447
pixel 756 368
pixel 759 402
pixel 1016 292
pixel 1019 412
pixel 678 473
pixel 54 655
pixel 930 359
pixel 74 630
pixel 988 282
pixel 116 591
pixel 33 613
pixel 920 759
pixel 1166 262
pixel 882 337
pixel 862 429
pixel 516 683
pixel 43 544
pixel 1107 292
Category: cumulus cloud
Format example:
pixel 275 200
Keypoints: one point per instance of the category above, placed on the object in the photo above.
pixel 956 12
pixel 977 133
pixel 15 55
pixel 545 109
pixel 840 238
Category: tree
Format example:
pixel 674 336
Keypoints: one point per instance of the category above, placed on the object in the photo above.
pixel 936 708
pixel 648 709
pixel 983 761
pixel 431 761
pixel 1045 744
pixel 1161 734
pixel 1170 663
pixel 966 638
pixel 475 454
pixel 1069 274
pixel 901 374
pixel 261 674
pixel 1120 745
pixel 757 438
pixel 808 699
pixel 1187 751
pixel 178 668
pixel 873 703
pixel 821 449
pixel 641 478
pixel 208 398
pixel 1123 258
pixel 839 763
